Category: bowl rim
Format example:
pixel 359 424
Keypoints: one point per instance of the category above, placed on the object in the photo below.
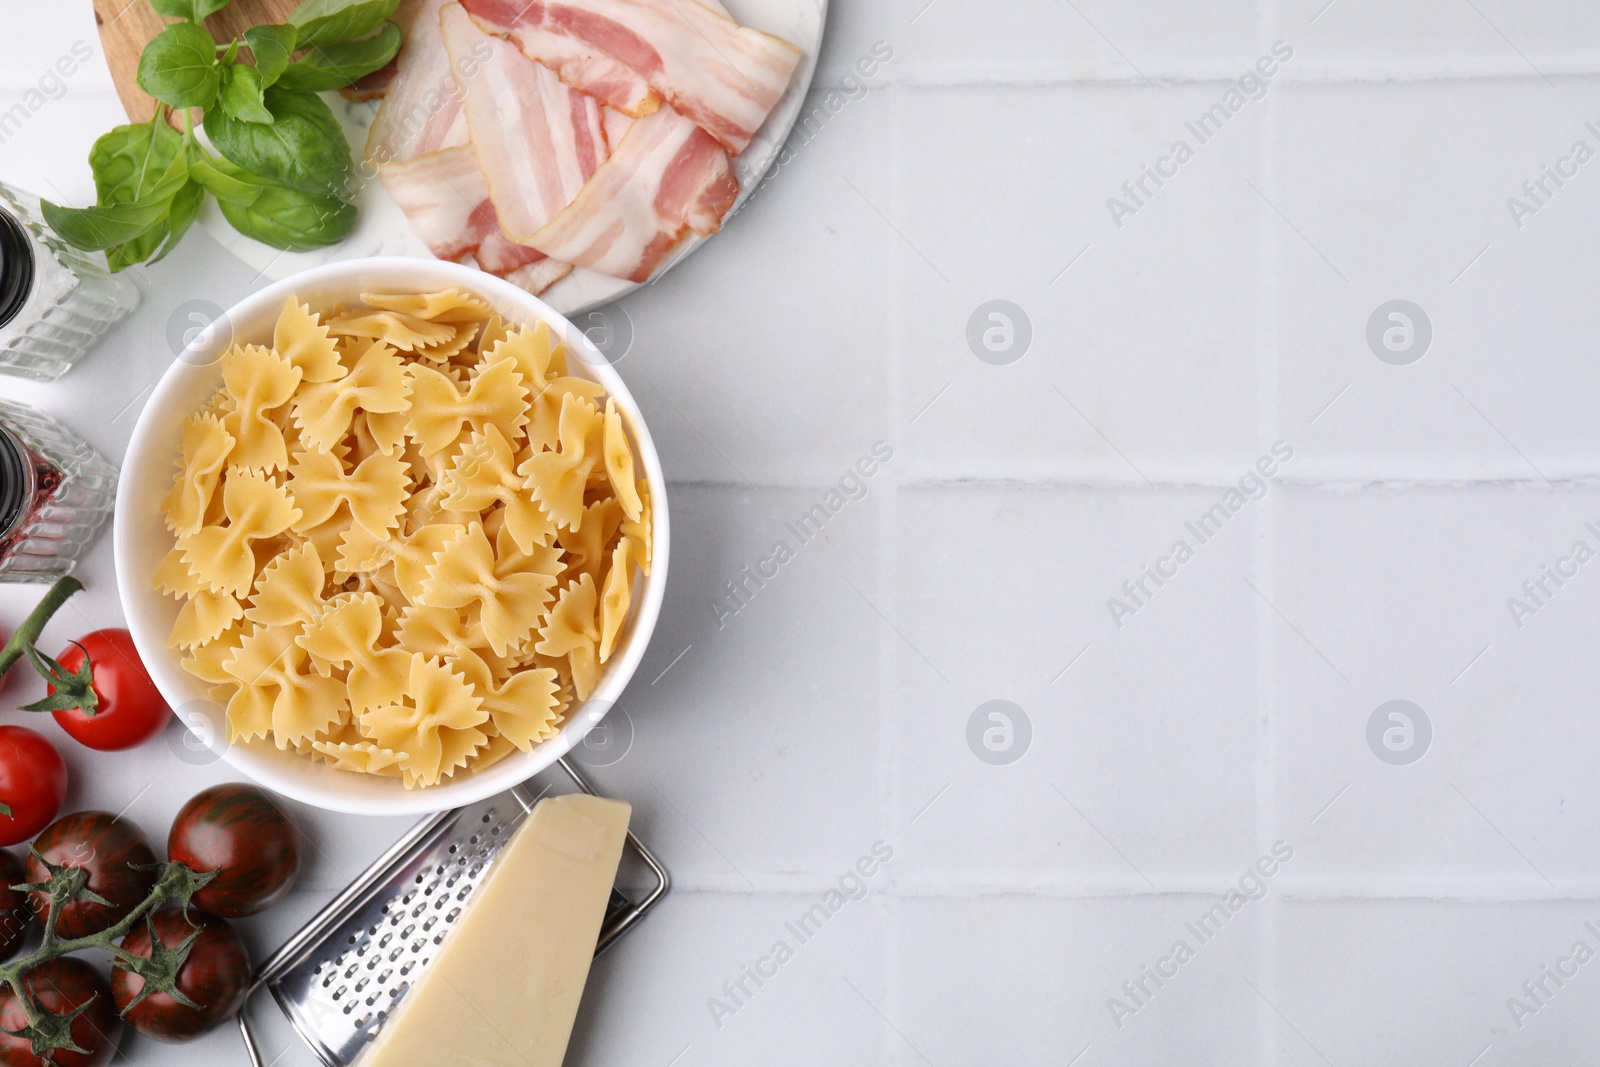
pixel 149 444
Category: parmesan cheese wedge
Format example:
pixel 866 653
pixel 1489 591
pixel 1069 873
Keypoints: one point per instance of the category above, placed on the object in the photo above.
pixel 504 988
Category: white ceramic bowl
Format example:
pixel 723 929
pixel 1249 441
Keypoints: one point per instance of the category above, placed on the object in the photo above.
pixel 141 538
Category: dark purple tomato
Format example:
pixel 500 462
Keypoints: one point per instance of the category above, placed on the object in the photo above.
pixel 14 913
pixel 112 851
pixel 240 832
pixel 214 975
pixel 59 986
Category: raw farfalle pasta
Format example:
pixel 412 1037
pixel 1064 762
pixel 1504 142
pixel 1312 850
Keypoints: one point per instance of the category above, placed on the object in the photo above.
pixel 406 538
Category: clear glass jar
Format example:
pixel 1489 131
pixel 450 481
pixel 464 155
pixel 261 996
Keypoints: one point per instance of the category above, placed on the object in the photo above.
pixel 55 302
pixel 56 493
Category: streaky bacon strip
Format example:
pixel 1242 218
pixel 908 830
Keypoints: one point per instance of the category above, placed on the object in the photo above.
pixel 442 194
pixel 538 140
pixel 725 77
pixel 539 276
pixel 668 176
pixel 615 123
pixel 421 110
pixel 447 203
pixel 601 76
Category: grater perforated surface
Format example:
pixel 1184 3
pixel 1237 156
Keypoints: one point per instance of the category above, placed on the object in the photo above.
pixel 341 976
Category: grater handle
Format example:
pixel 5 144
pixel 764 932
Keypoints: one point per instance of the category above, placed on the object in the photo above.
pixel 244 1027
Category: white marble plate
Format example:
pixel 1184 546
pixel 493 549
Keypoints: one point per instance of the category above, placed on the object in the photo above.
pixel 382 229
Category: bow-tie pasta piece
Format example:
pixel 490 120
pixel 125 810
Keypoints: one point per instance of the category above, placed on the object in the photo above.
pixel 277 697
pixel 376 382
pixel 522 707
pixel 446 305
pixel 206 661
pixel 302 339
pixel 642 529
pixel 361 757
pixel 572 632
pixel 436 723
pixel 375 491
pixel 496 750
pixel 588 547
pixel 510 602
pixel 558 478
pixel 203 618
pixel 483 474
pixel 258 381
pixel 405 332
pixel 619 462
pixel 202 456
pixel 347 634
pixel 221 557
pixel 495 330
pixel 495 396
pixel 617 596
pixel 544 411
pixel 435 631
pixel 445 351
pixel 289 589
pixel 534 350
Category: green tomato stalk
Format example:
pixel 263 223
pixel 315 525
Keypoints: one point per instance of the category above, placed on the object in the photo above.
pixel 49 1031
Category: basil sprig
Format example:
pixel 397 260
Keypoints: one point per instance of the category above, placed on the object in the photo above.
pixel 283 171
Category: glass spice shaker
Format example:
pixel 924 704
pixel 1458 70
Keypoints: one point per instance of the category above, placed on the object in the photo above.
pixel 55 302
pixel 56 492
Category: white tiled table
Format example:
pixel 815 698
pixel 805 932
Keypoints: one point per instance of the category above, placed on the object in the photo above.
pixel 1230 710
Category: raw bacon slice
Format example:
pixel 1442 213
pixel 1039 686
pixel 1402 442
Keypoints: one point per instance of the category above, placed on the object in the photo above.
pixel 442 194
pixel 599 75
pixel 421 109
pixel 538 140
pixel 539 276
pixel 447 203
pixel 725 77
pixel 616 123
pixel 666 177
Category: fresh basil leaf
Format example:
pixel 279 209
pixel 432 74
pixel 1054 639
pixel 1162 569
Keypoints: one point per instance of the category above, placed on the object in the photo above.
pixel 339 65
pixel 179 66
pixel 185 208
pixel 292 219
pixel 194 10
pixel 94 229
pixel 225 181
pixel 272 47
pixel 174 9
pixel 303 148
pixel 130 159
pixel 325 22
pixel 138 250
pixel 240 95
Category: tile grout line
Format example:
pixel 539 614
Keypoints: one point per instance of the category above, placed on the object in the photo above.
pixel 1262 558
pixel 888 761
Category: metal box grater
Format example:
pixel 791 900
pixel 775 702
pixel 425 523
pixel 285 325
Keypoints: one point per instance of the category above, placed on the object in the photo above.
pixel 341 975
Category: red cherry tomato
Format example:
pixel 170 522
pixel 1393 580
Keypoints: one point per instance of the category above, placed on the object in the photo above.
pixel 240 832
pixel 130 709
pixel 33 783
pixel 60 986
pixel 213 977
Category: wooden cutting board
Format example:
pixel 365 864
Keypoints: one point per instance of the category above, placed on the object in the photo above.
pixel 126 26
